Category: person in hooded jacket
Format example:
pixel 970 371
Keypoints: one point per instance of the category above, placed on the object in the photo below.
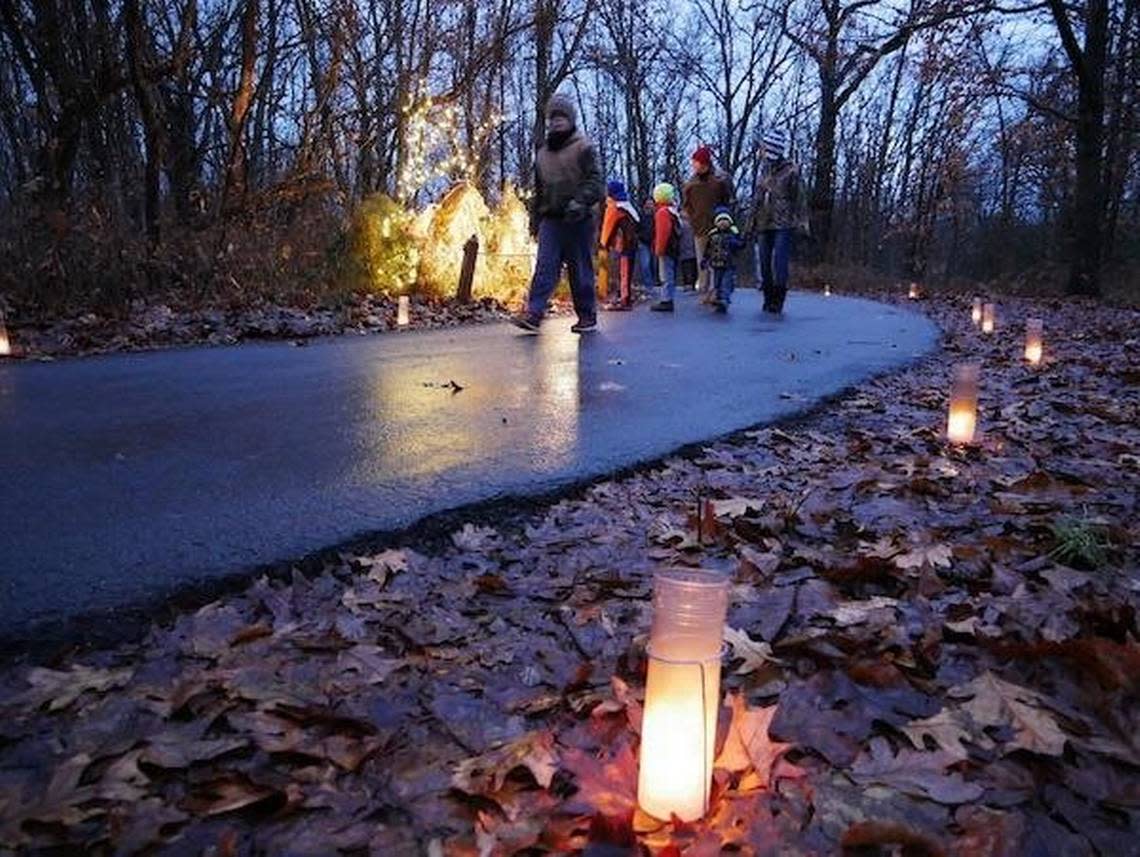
pixel 567 189
pixel 722 243
pixel 666 244
pixel 646 268
pixel 619 239
pixel 781 211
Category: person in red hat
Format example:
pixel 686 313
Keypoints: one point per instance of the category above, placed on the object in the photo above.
pixel 702 194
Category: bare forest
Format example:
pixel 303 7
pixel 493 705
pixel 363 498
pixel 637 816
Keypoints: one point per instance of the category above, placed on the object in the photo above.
pixel 223 151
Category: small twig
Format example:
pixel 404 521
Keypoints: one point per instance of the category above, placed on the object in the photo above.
pixel 582 650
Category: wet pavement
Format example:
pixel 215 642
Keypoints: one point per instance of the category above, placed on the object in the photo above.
pixel 125 477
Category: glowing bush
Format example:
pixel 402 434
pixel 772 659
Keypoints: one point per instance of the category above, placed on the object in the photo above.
pixel 394 250
pixel 509 251
pixel 460 214
pixel 384 247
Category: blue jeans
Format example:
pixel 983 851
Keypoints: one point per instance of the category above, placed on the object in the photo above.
pixel 570 245
pixel 775 253
pixel 645 267
pixel 667 276
pixel 724 283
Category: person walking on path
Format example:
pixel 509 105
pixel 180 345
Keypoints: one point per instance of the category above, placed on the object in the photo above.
pixel 701 195
pixel 781 211
pixel 568 186
pixel 721 246
pixel 619 239
pixel 666 243
pixel 646 269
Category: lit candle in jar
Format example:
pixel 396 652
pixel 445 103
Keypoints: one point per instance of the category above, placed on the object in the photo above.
pixel 976 312
pixel 963 420
pixel 826 291
pixel 913 293
pixel 1034 328
pixel 988 315
pixel 403 311
pixel 682 693
pixel 5 344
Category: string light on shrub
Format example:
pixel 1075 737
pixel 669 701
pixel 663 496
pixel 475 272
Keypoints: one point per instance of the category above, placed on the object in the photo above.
pixel 435 147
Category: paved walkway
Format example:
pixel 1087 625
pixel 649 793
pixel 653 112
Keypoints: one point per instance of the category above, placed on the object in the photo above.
pixel 127 476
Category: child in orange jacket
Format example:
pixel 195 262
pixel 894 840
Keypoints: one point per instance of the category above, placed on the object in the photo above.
pixel 666 243
pixel 619 237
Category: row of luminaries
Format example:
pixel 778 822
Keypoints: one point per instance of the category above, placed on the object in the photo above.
pixel 682 688
pixel 962 424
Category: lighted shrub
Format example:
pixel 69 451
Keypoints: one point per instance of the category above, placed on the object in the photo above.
pixel 384 254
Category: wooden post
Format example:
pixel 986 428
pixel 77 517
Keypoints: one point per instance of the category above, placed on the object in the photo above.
pixel 467 271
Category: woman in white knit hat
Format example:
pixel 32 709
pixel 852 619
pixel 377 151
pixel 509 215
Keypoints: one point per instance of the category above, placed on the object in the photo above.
pixel 780 211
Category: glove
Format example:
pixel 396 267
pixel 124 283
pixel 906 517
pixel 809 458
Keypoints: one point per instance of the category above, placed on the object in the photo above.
pixel 575 212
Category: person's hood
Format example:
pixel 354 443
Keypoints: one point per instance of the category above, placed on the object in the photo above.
pixel 561 103
pixel 629 208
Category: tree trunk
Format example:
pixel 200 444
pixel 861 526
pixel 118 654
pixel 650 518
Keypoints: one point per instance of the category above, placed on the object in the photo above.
pixel 1088 212
pixel 236 166
pixel 137 42
pixel 1088 206
pixel 823 182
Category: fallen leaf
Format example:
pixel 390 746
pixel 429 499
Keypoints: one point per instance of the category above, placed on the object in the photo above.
pixel 736 507
pixel 922 774
pixel 475 539
pixel 995 702
pixel 752 654
pixel 857 612
pixel 58 689
pixel 485 774
pixel 948 729
pixel 230 792
pixel 748 746
pixel 934 556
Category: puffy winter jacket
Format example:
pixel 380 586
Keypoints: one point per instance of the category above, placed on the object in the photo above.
pixel 700 197
pixel 564 175
pixel 780 199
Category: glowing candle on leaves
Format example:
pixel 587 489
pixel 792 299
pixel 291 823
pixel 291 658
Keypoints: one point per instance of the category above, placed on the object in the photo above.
pixel 403 311
pixel 682 693
pixel 1033 336
pixel 976 312
pixel 988 315
pixel 5 345
pixel 913 293
pixel 963 421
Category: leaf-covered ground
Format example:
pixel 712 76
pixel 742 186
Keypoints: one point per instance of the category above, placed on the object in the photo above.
pixel 151 325
pixel 933 651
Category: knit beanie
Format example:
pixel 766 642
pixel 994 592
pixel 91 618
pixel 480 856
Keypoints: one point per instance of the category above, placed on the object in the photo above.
pixel 615 190
pixel 720 213
pixel 775 143
pixel 665 194
pixel 561 104
pixel 703 156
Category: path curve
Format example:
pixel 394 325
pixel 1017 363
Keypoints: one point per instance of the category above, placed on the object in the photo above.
pixel 128 476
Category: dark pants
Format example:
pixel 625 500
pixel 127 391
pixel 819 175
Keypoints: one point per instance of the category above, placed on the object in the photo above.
pixel 775 253
pixel 570 245
pixel 646 268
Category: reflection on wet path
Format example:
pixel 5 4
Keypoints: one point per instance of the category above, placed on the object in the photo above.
pixel 434 427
